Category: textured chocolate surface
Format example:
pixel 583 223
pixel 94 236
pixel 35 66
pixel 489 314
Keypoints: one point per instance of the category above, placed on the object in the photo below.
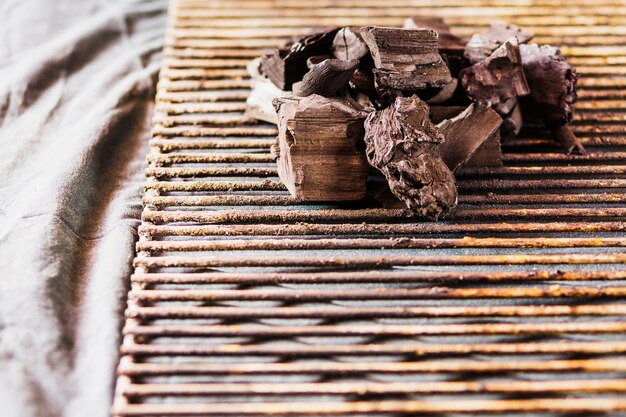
pixel 403 144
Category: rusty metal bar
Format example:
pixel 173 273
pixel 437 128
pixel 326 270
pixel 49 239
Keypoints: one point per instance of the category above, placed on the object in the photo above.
pixel 509 266
pixel 379 312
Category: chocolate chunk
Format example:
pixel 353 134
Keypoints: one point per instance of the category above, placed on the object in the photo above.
pixel 348 44
pixel 552 83
pixel 448 42
pixel 482 45
pixel 320 148
pixel 406 59
pixel 466 133
pixel 511 113
pixel 263 92
pixel 289 64
pixel 497 78
pixel 326 78
pixel 404 145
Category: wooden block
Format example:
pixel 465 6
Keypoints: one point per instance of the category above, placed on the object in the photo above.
pixel 348 44
pixel 466 133
pixel 482 45
pixel 326 78
pixel 288 64
pixel 320 142
pixel 404 145
pixel 405 59
pixel 497 78
pixel 262 94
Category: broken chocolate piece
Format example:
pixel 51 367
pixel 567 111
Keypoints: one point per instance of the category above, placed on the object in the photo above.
pixel 448 41
pixel 348 44
pixel 497 78
pixel 466 133
pixel 511 113
pixel 289 64
pixel 263 92
pixel 552 84
pixel 404 145
pixel 482 45
pixel 406 59
pixel 320 155
pixel 326 78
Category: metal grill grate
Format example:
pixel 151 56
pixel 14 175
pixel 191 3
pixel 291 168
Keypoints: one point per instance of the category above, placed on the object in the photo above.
pixel 246 303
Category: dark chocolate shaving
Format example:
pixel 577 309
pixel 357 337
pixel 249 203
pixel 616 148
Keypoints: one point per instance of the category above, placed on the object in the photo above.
pixel 326 78
pixel 404 145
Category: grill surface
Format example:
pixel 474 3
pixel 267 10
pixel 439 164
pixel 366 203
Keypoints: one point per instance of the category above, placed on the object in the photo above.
pixel 246 303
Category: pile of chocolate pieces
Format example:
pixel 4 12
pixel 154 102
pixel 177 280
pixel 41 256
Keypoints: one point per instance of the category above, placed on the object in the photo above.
pixel 417 103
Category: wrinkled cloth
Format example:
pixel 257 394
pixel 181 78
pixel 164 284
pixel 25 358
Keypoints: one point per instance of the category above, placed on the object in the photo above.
pixel 77 81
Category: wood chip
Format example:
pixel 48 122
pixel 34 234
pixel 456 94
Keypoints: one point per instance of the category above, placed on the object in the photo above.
pixel 482 45
pixel 320 148
pixel 288 64
pixel 497 78
pixel 326 78
pixel 466 133
pixel 404 145
pixel 406 59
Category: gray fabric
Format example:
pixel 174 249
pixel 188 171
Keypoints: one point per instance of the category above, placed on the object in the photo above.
pixel 76 90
